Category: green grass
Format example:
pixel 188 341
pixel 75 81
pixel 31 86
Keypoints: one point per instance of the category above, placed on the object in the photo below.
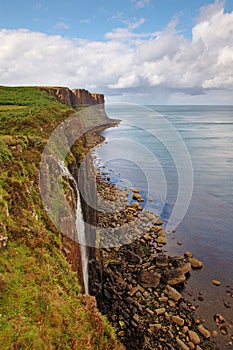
pixel 26 110
pixel 41 306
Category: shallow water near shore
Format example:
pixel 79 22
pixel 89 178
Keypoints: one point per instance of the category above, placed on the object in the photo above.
pixel 207 227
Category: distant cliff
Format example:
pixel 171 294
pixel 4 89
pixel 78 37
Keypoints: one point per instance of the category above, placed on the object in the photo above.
pixel 74 98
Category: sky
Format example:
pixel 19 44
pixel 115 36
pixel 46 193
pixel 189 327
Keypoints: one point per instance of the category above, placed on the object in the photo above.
pixel 137 51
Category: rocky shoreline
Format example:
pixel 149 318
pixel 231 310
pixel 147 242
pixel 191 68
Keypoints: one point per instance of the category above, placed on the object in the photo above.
pixel 141 285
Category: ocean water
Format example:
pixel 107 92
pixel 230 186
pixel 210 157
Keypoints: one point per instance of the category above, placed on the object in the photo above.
pixel 182 156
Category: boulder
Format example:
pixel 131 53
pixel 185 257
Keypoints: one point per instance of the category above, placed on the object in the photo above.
pixel 137 197
pixel 173 277
pixel 172 293
pixel 161 261
pixel 195 263
pixel 161 240
pixel 149 279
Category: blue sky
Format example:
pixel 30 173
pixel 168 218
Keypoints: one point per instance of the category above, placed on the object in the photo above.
pixel 152 51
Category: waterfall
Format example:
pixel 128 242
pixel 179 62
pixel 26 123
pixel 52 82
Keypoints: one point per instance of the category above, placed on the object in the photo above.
pixel 80 226
pixel 82 240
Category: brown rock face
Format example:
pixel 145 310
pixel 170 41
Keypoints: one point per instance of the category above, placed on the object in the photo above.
pixel 74 98
pixel 85 98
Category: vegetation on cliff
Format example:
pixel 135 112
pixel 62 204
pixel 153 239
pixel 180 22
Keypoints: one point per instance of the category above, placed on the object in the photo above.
pixel 40 299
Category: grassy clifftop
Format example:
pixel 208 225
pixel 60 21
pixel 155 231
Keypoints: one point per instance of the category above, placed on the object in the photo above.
pixel 41 306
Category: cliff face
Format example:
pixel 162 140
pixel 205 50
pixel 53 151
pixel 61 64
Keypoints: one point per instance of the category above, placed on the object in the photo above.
pixel 85 98
pixel 74 98
pixel 33 269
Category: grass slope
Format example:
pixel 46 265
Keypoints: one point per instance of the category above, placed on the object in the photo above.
pixel 41 306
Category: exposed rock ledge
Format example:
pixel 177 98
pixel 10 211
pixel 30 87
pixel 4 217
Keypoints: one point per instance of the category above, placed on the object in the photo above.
pixel 74 98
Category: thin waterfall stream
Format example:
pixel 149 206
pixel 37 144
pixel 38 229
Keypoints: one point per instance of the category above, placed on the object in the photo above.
pixel 82 240
pixel 80 227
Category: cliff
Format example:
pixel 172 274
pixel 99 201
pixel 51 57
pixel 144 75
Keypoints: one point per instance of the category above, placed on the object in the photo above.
pixel 75 98
pixel 40 296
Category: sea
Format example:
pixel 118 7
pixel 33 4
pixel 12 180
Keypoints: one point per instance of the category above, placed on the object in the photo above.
pixel 182 158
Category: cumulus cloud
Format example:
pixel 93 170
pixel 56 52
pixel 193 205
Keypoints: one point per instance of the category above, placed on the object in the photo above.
pixel 127 62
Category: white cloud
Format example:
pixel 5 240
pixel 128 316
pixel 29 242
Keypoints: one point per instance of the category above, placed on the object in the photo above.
pixel 85 20
pixel 129 63
pixel 61 25
pixel 141 3
pixel 136 23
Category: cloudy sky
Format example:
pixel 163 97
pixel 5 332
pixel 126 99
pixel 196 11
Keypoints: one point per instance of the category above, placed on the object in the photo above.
pixel 141 51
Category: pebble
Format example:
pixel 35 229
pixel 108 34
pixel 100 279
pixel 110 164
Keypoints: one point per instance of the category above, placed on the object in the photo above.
pixel 178 320
pixel 216 282
pixel 171 303
pixel 188 254
pixel 194 337
pixel 181 344
pixel 173 294
pixel 191 345
pixel 195 263
pixel 203 331
pixel 185 330
pixel 219 319
pixel 160 311
pixel 223 329
pixel 215 333
pixel 162 240
pixel 163 299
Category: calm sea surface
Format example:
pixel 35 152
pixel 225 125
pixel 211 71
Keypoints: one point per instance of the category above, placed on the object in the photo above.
pixel 150 149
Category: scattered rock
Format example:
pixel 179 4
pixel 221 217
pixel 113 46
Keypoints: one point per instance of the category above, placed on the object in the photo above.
pixel 185 330
pixel 133 294
pixel 161 261
pixel 204 331
pixel 160 311
pixel 178 320
pixel 135 290
pixel 223 329
pixel 216 282
pixel 215 333
pixel 173 294
pixel 132 257
pixel 149 279
pixel 198 347
pixel 188 254
pixel 173 277
pixel 181 344
pixel 158 222
pixel 194 337
pixel 219 319
pixel 138 197
pixel 195 263
pixel 163 299
pixel 162 240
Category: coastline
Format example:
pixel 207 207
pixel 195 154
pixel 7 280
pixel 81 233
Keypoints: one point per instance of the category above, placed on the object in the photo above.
pixel 141 292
